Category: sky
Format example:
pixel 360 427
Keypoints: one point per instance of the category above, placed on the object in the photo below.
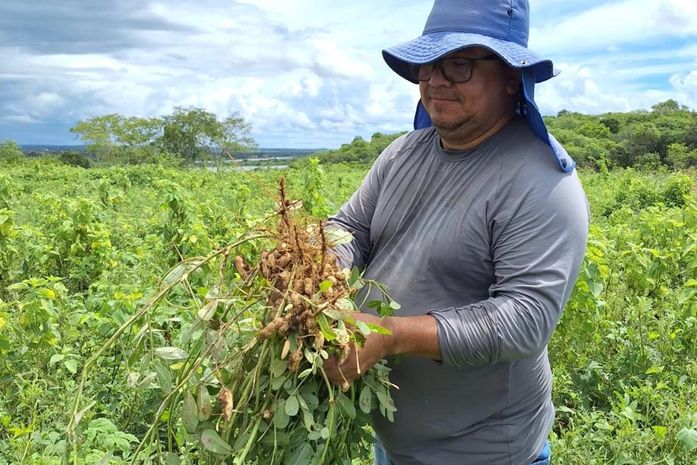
pixel 307 73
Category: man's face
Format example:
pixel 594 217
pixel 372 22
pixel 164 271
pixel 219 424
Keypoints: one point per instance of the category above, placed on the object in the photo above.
pixel 464 111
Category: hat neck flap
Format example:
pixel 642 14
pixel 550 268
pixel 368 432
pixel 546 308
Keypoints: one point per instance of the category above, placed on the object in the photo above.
pixel 527 110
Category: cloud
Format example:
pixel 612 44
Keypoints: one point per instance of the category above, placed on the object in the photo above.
pixel 306 73
pixel 686 87
pixel 628 22
pixel 74 26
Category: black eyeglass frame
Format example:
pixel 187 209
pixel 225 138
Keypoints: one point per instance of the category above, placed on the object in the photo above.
pixel 416 70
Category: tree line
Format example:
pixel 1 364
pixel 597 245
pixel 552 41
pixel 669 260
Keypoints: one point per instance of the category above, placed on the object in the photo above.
pixel 189 134
pixel 186 136
pixel 665 136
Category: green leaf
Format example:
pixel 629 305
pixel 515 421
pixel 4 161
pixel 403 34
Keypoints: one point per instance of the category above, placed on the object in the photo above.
pixel 365 399
pixel 171 353
pixel 394 305
pixel 596 288
pixel 311 400
pixel 278 367
pixel 205 409
pixel 691 283
pixel 164 378
pixel 206 312
pixel 363 328
pixel 280 417
pixel 106 459
pixel 688 439
pixel 292 406
pixel 325 285
pixel 18 286
pixel 654 370
pixel 341 311
pixel 176 274
pixel 276 383
pixel 214 443
pixel 308 420
pixel 172 459
pixel 327 330
pixel 347 406
pixel 189 413
pixel 385 400
pixel 55 359
pixel 301 455
pixel 337 236
pixel 379 329
pixel 71 365
pixel 355 281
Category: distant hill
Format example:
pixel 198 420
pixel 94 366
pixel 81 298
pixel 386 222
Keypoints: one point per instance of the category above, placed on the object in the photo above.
pixel 46 149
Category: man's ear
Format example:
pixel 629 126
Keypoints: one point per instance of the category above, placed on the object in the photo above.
pixel 513 81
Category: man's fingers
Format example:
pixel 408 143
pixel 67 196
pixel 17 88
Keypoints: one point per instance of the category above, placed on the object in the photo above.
pixel 340 374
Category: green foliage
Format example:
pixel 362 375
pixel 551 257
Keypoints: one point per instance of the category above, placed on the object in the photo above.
pixel 680 156
pixel 623 354
pixel 191 134
pixel 75 159
pixel 313 179
pixel 10 153
pixel 81 250
pixel 194 134
pixel 359 151
pixel 666 136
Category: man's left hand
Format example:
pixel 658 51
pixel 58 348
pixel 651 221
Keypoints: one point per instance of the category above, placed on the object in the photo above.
pixel 360 359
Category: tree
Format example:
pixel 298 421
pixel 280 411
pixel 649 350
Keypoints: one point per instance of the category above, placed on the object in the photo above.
pixel 10 152
pixel 195 134
pixel 680 156
pixel 639 139
pixel 189 133
pixel 612 123
pixel 668 106
pixel 116 138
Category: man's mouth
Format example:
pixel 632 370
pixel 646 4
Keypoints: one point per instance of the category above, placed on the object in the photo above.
pixel 442 97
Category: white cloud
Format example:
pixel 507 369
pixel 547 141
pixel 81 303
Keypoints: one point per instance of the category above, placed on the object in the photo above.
pixel 626 22
pixel 310 73
pixel 686 86
pixel 24 119
pixel 577 89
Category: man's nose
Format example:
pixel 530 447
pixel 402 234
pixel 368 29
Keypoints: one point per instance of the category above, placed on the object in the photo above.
pixel 437 78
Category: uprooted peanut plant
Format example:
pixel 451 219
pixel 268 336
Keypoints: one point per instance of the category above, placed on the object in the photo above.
pixel 234 345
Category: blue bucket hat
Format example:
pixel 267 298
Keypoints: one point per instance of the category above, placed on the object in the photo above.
pixel 501 26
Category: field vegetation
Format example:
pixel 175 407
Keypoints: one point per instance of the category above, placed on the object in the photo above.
pixel 83 250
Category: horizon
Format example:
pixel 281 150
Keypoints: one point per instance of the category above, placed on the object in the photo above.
pixel 253 151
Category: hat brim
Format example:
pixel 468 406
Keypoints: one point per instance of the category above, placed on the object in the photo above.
pixel 431 47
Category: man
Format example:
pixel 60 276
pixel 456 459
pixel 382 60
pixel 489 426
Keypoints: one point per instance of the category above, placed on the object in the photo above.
pixel 478 227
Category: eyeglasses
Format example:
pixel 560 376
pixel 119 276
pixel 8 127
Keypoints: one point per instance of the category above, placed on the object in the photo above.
pixel 455 70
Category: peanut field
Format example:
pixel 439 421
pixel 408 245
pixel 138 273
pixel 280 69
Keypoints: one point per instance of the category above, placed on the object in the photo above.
pixel 85 362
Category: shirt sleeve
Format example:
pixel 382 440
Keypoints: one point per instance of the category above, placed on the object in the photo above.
pixel 537 246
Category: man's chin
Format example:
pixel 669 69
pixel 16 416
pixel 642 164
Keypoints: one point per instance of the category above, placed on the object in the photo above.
pixel 445 124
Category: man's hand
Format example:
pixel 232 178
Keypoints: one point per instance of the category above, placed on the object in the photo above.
pixel 411 335
pixel 360 359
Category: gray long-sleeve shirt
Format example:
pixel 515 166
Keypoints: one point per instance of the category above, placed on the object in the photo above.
pixel 488 241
